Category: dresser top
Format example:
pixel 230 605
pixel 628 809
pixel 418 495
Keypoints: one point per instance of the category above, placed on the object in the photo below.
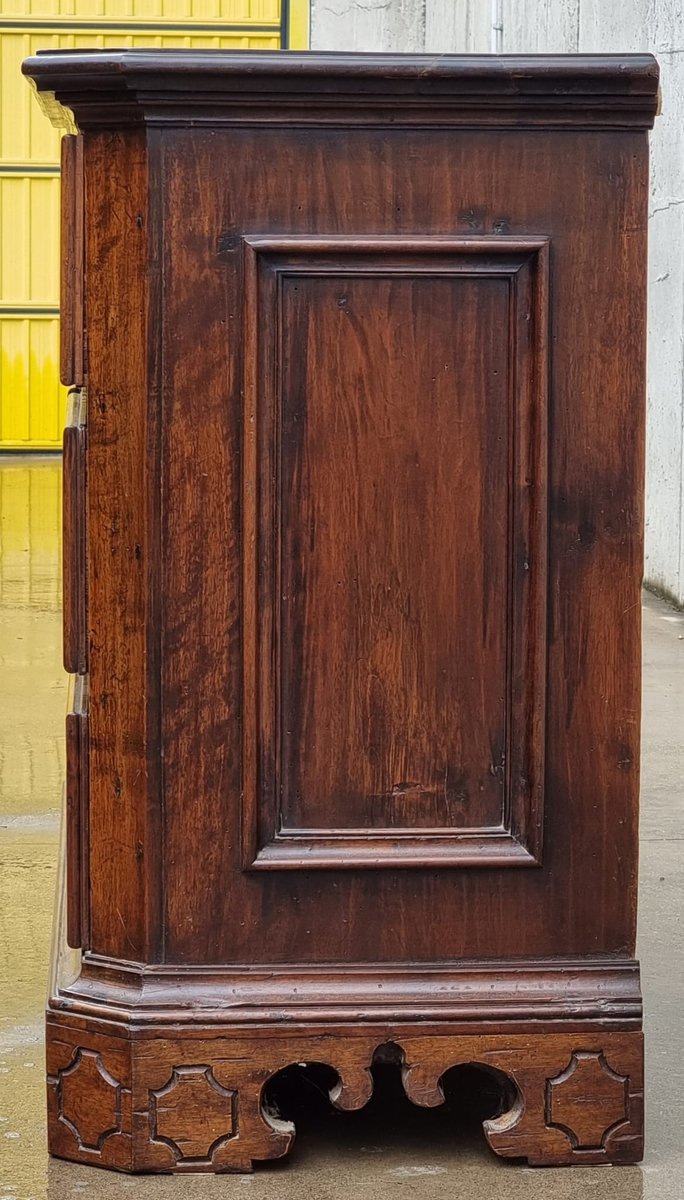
pixel 112 89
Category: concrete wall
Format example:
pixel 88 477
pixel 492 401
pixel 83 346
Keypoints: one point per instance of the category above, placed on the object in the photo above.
pixel 539 26
pixel 401 26
pixel 658 26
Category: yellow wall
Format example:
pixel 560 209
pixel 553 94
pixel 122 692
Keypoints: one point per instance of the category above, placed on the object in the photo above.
pixel 31 398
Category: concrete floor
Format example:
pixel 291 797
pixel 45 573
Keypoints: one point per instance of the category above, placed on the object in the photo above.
pixel 390 1148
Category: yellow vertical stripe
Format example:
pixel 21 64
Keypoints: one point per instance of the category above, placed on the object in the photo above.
pixel 299 16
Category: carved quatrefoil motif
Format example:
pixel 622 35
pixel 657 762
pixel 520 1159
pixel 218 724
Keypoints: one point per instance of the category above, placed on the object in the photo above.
pixel 193 1114
pixel 89 1100
pixel 587 1100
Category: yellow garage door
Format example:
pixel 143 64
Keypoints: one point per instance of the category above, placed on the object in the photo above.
pixel 31 398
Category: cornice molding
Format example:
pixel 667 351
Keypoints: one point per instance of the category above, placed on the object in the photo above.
pixel 107 90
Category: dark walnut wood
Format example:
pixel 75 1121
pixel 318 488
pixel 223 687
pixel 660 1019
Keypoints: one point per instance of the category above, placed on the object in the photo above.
pixel 356 581
pixel 353 566
pixel 72 299
pixel 179 1104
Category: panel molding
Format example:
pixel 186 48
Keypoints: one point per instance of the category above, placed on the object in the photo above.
pixel 523 263
pixel 89 1100
pixel 174 1109
pixel 588 1101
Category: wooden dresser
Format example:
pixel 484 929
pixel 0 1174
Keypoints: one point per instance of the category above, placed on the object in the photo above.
pixel 353 517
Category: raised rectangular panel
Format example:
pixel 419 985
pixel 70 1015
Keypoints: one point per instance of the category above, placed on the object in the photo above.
pixel 394 550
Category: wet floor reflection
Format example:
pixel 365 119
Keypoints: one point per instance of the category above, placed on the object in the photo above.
pixel 32 681
pixel 32 706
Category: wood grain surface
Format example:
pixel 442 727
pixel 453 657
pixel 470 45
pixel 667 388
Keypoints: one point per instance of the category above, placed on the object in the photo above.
pixel 584 895
pixel 72 277
pixel 386 471
pixel 123 500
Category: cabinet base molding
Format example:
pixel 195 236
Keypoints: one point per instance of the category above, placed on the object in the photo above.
pixel 192 1099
